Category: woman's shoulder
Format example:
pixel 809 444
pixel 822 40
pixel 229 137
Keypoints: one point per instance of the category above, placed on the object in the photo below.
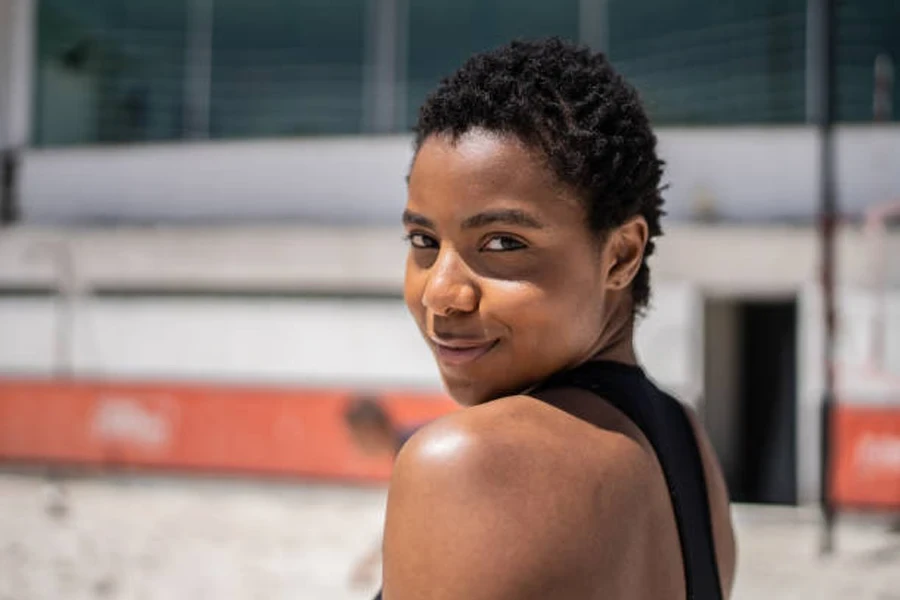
pixel 530 438
pixel 525 427
pixel 515 488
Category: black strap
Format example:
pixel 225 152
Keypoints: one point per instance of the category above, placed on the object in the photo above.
pixel 664 422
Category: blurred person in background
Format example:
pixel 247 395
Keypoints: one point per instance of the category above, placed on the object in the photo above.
pixel 376 434
pixel 373 430
pixel 534 199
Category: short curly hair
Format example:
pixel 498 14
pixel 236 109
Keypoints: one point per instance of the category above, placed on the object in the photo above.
pixel 570 104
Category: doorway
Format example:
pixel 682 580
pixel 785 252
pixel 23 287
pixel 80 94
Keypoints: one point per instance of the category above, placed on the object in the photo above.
pixel 750 406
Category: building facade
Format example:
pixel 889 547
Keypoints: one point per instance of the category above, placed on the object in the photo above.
pixel 151 147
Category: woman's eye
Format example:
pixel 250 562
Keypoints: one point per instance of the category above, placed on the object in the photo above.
pixel 420 240
pixel 503 243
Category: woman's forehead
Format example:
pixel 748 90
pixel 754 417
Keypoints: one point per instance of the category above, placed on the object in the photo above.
pixel 480 155
pixel 484 171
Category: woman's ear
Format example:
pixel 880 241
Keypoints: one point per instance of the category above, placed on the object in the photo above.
pixel 625 247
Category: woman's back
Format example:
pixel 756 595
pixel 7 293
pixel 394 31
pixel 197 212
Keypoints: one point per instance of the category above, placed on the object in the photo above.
pixel 696 489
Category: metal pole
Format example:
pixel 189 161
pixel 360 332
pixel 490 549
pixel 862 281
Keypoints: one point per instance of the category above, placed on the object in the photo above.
pixel 198 68
pixel 401 65
pixel 9 179
pixel 61 256
pixel 65 330
pixel 386 62
pixel 17 47
pixel 18 22
pixel 593 24
pixel 813 58
pixel 825 67
pixel 883 96
pixel 882 108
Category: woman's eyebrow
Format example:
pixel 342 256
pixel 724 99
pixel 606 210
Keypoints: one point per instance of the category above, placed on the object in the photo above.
pixel 413 218
pixel 511 216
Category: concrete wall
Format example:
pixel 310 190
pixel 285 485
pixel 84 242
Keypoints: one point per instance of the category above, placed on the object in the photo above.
pixel 865 375
pixel 301 341
pixel 372 342
pixel 270 340
pixel 746 174
pixel 717 259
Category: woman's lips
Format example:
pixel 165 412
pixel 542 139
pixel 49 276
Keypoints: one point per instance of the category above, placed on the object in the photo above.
pixel 458 353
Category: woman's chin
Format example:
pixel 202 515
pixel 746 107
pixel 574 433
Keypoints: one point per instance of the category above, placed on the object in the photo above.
pixel 470 392
pixel 464 393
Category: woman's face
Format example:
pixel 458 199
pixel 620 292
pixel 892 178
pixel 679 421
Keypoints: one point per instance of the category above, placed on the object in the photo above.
pixel 503 278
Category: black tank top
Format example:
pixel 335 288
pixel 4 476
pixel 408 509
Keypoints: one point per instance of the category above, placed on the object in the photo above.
pixel 665 424
pixel 662 419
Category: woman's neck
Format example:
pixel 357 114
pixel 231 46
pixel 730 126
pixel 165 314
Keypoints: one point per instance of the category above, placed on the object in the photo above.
pixel 618 345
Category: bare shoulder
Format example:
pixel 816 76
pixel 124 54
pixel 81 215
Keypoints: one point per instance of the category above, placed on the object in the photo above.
pixel 517 499
pixel 521 441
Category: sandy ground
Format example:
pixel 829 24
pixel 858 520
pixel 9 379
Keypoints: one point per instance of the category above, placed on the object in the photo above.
pixel 144 538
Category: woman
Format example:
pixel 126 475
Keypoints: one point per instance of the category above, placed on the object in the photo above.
pixel 533 204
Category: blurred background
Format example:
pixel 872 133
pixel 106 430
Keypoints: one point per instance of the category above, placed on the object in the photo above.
pixel 201 267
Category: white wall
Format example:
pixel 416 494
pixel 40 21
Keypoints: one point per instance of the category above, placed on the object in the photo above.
pixel 669 340
pixel 305 258
pixel 863 375
pixel 355 342
pixel 307 341
pixel 743 173
pixel 862 378
pixel 27 334
pixel 303 341
pixel 369 342
pixel 718 259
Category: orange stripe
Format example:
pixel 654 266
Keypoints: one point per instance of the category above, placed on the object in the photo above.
pixel 866 462
pixel 262 430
